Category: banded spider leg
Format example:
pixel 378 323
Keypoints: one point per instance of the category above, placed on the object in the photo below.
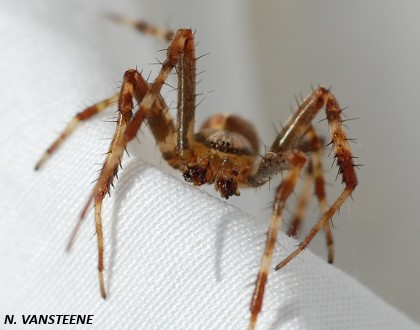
pixel 313 176
pixel 289 140
pixel 181 54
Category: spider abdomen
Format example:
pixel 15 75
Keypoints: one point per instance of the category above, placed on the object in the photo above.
pixel 231 129
pixel 225 141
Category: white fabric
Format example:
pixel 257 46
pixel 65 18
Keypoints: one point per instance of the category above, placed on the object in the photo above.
pixel 176 258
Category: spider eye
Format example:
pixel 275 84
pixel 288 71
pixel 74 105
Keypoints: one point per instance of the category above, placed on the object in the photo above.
pixel 195 174
pixel 227 187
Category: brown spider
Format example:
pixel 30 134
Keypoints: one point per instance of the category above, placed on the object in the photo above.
pixel 223 152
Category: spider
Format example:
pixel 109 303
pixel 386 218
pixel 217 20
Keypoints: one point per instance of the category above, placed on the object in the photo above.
pixel 224 152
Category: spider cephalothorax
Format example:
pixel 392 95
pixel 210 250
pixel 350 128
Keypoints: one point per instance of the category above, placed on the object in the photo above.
pixel 223 153
pixel 225 150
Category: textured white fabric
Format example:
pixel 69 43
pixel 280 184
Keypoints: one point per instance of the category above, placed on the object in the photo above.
pixel 176 258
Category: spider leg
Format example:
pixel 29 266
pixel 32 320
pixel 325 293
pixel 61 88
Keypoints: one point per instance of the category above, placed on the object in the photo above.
pixel 143 27
pixel 296 160
pixel 290 137
pixel 180 54
pixel 345 163
pixel 275 161
pixel 111 164
pixel 309 146
pixel 318 173
pixel 302 204
pixel 135 86
pixel 314 173
pixel 72 125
